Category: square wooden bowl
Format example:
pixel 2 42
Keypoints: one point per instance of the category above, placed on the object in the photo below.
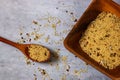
pixel 71 42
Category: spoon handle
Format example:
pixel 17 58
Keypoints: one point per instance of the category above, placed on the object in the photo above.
pixel 8 42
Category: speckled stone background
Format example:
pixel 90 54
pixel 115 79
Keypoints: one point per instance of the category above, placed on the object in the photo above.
pixel 45 22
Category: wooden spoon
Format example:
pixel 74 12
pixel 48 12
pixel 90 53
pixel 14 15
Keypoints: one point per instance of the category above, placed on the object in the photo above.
pixel 24 49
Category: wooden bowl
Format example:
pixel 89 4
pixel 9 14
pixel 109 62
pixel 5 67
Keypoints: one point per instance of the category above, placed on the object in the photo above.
pixel 71 42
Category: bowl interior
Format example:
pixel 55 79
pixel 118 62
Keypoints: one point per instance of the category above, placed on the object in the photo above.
pixel 72 40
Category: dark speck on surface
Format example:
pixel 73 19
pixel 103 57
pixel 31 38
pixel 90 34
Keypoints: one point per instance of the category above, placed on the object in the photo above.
pixel 71 13
pixel 56 7
pixel 35 22
pixel 66 11
pixel 75 20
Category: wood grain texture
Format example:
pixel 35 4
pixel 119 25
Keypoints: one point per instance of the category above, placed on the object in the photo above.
pixel 21 47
